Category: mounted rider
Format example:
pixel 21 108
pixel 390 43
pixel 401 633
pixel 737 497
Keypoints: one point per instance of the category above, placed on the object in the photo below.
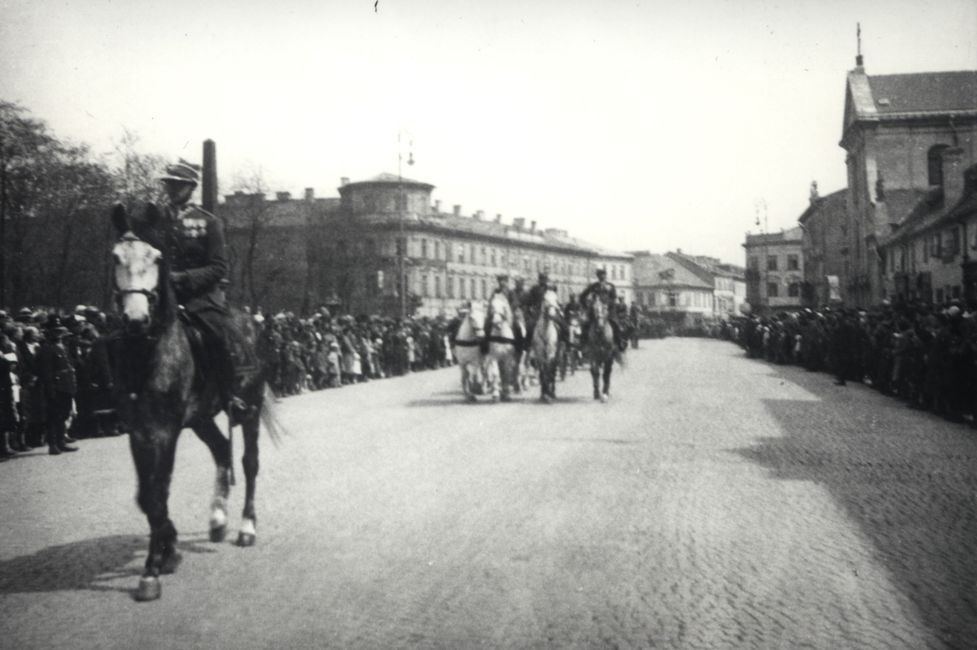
pixel 502 288
pixel 605 292
pixel 195 249
pixel 532 305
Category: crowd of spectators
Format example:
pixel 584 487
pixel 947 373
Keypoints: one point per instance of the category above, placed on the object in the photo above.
pixel 299 354
pixel 327 351
pixel 922 354
pixel 47 365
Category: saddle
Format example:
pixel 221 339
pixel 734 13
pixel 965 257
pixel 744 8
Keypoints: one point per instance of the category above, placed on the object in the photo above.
pixel 239 338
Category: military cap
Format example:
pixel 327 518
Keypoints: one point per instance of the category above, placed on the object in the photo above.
pixel 182 172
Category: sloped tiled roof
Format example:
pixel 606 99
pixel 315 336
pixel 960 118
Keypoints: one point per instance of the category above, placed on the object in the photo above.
pixel 654 270
pixel 924 92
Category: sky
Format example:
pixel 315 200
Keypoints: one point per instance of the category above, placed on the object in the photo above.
pixel 638 125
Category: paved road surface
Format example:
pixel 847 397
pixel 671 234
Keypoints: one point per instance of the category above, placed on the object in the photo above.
pixel 715 502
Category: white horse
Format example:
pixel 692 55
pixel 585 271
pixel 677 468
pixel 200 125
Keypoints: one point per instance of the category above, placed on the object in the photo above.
pixel 502 347
pixel 546 345
pixel 467 349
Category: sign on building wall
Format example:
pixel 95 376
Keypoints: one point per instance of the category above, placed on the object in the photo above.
pixel 834 288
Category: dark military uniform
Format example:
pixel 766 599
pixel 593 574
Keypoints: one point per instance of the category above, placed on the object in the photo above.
pixel 58 385
pixel 195 249
pixel 606 292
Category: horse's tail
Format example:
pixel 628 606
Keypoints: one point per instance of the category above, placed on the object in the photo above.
pixel 269 416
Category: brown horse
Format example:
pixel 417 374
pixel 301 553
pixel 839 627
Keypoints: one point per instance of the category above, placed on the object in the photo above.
pixel 162 389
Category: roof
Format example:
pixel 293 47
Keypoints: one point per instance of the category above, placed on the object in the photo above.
pixel 924 92
pixel 707 268
pixel 923 215
pixel 788 236
pixel 654 270
pixel 390 179
pixel 826 204
pixel 899 96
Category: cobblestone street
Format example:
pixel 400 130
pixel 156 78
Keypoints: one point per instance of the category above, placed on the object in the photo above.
pixel 714 502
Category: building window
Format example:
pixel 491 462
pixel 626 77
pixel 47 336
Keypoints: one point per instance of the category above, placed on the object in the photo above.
pixel 437 250
pixel 493 256
pixel 672 299
pixel 650 298
pixel 773 290
pixel 462 286
pixel 484 289
pixel 934 163
pixel 754 263
pixel 451 287
pixel 424 292
pixel 771 262
pixel 473 286
pixel 939 296
pixel 793 263
pixel 437 286
pixel 794 290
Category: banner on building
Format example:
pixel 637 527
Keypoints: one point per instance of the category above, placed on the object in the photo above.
pixel 834 288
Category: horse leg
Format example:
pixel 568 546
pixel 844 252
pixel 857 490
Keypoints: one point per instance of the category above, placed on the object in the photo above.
pixel 153 454
pixel 595 376
pixel 220 449
pixel 492 378
pixel 250 427
pixel 608 367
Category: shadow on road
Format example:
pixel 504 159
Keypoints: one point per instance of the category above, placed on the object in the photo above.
pixel 906 478
pixel 87 565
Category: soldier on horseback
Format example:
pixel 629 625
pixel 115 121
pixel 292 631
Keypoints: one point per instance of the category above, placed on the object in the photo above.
pixel 194 245
pixel 532 304
pixel 606 292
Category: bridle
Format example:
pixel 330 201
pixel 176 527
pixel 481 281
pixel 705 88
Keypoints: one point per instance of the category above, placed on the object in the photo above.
pixel 152 295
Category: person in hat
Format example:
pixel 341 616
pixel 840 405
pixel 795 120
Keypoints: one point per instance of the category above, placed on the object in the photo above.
pixel 58 384
pixel 533 304
pixel 195 249
pixel 606 292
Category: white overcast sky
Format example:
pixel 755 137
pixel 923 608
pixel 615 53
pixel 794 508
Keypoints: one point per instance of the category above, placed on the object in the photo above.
pixel 634 125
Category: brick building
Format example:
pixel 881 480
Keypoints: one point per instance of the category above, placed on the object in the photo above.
pixel 906 137
pixel 384 247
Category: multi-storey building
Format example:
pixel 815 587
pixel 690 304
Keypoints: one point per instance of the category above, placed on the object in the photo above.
pixel 384 247
pixel 905 136
pixel 824 227
pixel 666 289
pixel 774 270
pixel 729 281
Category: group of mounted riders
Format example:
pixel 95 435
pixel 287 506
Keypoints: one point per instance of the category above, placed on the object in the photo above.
pixel 527 305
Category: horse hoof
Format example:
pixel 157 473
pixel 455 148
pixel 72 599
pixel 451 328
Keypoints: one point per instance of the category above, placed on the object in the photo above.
pixel 603 399
pixel 218 533
pixel 245 539
pixel 506 398
pixel 495 398
pixel 149 589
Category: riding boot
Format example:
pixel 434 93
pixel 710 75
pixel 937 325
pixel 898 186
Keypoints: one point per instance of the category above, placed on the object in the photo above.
pixel 6 450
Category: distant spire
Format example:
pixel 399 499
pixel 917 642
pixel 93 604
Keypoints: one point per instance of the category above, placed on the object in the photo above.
pixel 859 59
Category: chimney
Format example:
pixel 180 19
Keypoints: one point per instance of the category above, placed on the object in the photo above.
pixel 519 223
pixel 478 215
pixel 498 218
pixel 532 226
pixel 283 196
pixel 309 193
pixel 952 175
pixel 344 181
pixel 457 210
pixel 437 206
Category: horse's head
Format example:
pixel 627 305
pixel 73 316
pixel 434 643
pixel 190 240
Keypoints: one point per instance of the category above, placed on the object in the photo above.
pixel 136 273
pixel 473 323
pixel 551 304
pixel 598 312
pixel 500 310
